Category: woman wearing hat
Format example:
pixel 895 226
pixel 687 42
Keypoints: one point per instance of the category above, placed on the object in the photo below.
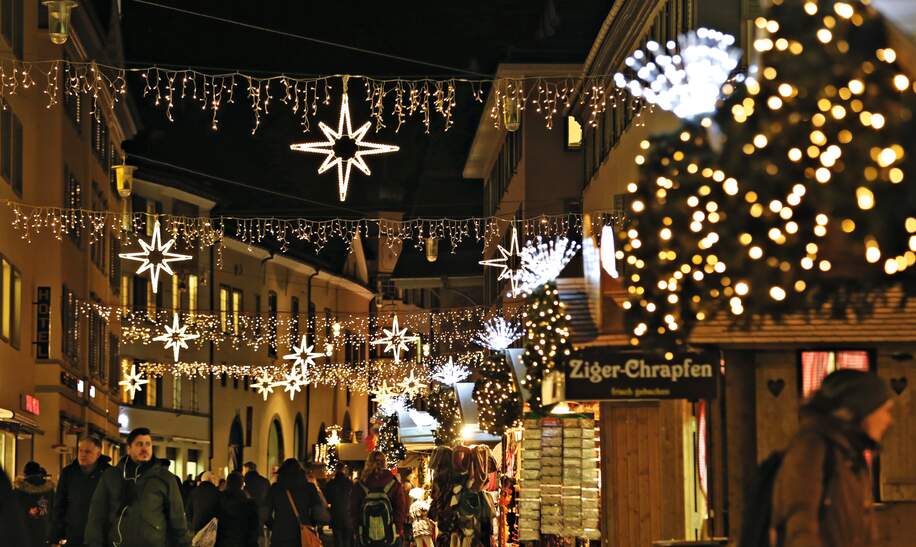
pixel 823 491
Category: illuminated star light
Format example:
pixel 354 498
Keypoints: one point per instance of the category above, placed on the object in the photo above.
pixel 498 334
pixel 383 392
pixel 505 262
pixel 155 256
pixel 133 381
pixel 543 261
pixel 265 383
pixel 684 78
pixel 411 386
pixel 451 373
pixel 293 381
pixel 303 355
pixel 395 340
pixel 175 336
pixel 344 130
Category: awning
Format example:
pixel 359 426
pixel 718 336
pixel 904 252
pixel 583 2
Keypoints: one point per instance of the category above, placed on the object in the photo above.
pixel 20 421
pixel 352 452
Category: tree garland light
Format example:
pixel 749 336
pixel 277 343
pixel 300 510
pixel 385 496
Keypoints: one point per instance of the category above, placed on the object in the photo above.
pixel 547 339
pixel 498 400
pixel 443 406
pixel 388 442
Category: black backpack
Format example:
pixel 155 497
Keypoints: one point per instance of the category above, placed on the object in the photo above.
pixel 377 527
pixel 758 501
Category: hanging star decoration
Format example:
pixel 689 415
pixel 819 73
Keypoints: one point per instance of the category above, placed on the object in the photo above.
pixel 411 386
pixel 383 392
pixel 264 384
pixel 451 373
pixel 498 334
pixel 395 339
pixel 133 381
pixel 344 133
pixel 302 355
pixel 175 336
pixel 293 381
pixel 155 256
pixel 509 263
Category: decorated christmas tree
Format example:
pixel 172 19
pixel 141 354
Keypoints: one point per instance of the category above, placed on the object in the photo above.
pixel 333 458
pixel 547 340
pixel 499 402
pixel 388 442
pixel 443 406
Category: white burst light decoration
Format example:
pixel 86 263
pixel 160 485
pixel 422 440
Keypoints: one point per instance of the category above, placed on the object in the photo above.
pixel 155 256
pixel 543 262
pixel 498 334
pixel 684 77
pixel 393 405
pixel 264 384
pixel 344 132
pixel 175 336
pixel 395 339
pixel 411 386
pixel 451 373
pixel 133 381
pixel 302 355
pixel 293 381
pixel 506 262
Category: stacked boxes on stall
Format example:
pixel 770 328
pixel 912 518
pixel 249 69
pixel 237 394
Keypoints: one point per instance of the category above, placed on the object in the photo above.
pixel 529 504
pixel 551 476
pixel 591 480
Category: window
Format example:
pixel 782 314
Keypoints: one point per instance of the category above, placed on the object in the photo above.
pixel 11 299
pixel 816 365
pixel 11 25
pixel 114 267
pixel 176 293
pixel 272 324
pixel 113 358
pixel 176 391
pixel 98 328
pixel 236 310
pixel 69 318
pixel 294 321
pixel 100 140
pixel 192 296
pixel 152 302
pixel 139 293
pixel 153 208
pixel 11 147
pixel 73 200
pixel 97 241
pixel 72 105
pixel 223 308
pixel 125 293
pixel 125 369
pixel 257 313
pixel 154 392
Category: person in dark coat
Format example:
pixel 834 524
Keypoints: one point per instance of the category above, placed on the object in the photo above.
pixel 257 487
pixel 35 495
pixel 138 501
pixel 74 492
pixel 338 492
pixel 12 522
pixel 203 503
pixel 239 525
pixel 376 477
pixel 847 417
pixel 282 520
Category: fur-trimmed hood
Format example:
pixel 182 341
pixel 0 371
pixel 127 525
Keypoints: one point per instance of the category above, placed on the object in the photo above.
pixel 31 485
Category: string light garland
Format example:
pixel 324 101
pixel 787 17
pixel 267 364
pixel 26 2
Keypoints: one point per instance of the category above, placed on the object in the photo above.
pixel 155 257
pixel 389 100
pixel 498 334
pixel 328 147
pixel 31 221
pixel 175 336
pixel 547 339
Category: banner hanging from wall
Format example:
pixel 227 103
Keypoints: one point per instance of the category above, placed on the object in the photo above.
pixel 603 373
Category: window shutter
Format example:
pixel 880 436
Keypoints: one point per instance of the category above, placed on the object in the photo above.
pixel 898 474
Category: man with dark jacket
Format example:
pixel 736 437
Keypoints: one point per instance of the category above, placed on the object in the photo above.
pixel 12 521
pixel 74 492
pixel 257 488
pixel 203 503
pixel 338 492
pixel 238 515
pixel 36 499
pixel 137 503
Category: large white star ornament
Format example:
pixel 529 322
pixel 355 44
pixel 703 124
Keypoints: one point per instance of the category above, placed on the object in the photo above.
pixel 383 392
pixel 344 164
pixel 175 336
pixel 155 256
pixel 395 340
pixel 411 386
pixel 293 381
pixel 508 262
pixel 265 383
pixel 303 355
pixel 133 381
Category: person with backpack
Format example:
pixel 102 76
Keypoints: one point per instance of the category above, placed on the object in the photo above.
pixel 36 498
pixel 378 505
pixel 821 489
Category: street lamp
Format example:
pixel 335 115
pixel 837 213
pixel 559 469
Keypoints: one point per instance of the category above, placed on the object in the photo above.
pixel 59 19
pixel 124 178
pixel 512 107
pixel 432 249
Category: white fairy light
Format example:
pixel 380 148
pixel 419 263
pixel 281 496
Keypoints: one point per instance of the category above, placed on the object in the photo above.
pixel 498 334
pixel 133 381
pixel 543 261
pixel 344 132
pixel 684 78
pixel 411 386
pixel 302 355
pixel 451 373
pixel 175 336
pixel 506 262
pixel 155 256
pixel 395 340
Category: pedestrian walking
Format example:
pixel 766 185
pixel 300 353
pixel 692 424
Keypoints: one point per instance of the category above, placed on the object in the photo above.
pixel 238 521
pixel 35 494
pixel 823 489
pixel 257 487
pixel 74 492
pixel 137 503
pixel 378 505
pixel 12 522
pixel 292 501
pixel 203 503
pixel 339 491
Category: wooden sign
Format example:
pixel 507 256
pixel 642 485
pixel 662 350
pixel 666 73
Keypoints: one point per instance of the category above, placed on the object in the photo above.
pixel 601 374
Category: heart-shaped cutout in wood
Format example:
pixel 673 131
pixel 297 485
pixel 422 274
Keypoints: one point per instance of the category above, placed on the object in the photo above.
pixel 776 386
pixel 898 384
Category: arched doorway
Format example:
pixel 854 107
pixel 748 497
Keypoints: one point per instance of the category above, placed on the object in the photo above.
pixel 274 445
pixel 347 429
pixel 236 444
pixel 299 438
